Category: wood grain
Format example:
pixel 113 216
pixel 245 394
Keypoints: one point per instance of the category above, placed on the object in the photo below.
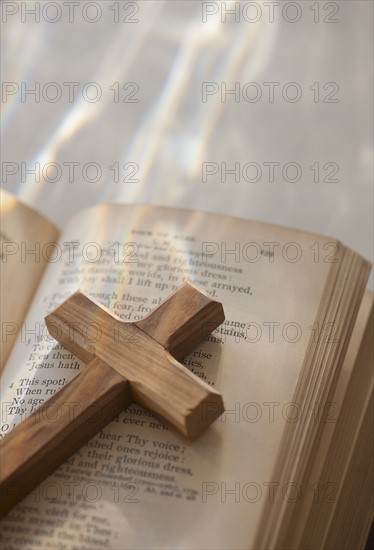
pixel 191 313
pixel 126 362
pixel 37 446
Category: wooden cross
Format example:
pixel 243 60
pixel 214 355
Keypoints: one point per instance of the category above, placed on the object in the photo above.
pixel 127 362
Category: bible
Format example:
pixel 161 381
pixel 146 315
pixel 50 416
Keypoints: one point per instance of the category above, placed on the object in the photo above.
pixel 289 462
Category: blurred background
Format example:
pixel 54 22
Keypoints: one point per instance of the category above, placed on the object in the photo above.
pixel 261 110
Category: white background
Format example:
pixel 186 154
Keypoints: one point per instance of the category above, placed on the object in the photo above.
pixel 169 49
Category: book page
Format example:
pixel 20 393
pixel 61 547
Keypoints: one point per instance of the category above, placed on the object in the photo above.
pixel 25 235
pixel 136 484
pixel 332 469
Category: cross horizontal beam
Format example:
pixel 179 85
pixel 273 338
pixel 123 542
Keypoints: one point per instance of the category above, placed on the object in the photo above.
pixel 126 362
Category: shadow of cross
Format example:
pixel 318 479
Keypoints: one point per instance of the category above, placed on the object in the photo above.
pixel 126 362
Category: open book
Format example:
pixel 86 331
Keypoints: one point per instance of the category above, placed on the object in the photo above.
pixel 288 464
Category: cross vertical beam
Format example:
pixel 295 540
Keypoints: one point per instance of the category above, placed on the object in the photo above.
pixel 125 363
